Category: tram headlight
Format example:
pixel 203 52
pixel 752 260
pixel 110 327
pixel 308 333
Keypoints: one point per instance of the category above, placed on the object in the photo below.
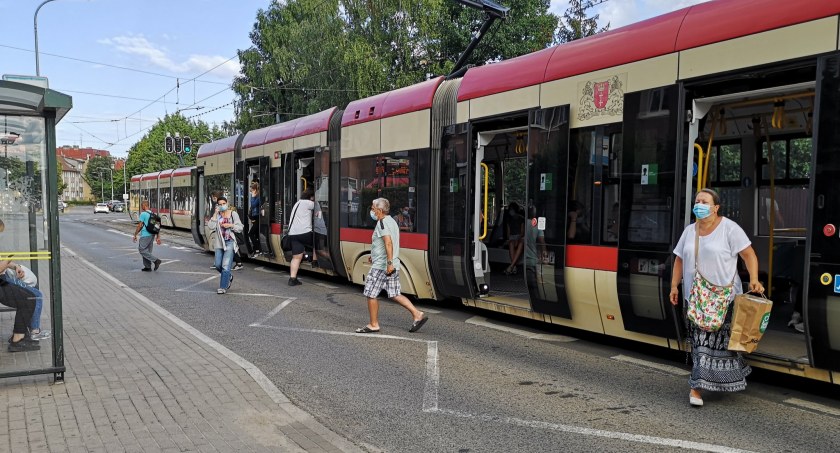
pixel 483 289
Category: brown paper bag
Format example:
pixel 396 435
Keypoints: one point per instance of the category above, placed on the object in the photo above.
pixel 750 317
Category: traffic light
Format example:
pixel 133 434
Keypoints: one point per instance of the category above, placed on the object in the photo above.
pixel 169 144
pixel 178 145
pixel 187 145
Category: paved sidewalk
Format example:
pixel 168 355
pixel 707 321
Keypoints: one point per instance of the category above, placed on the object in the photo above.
pixel 139 379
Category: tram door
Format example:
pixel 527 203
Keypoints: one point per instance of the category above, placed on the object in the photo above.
pixel 199 206
pixel 298 176
pixel 320 220
pixel 246 173
pixel 648 185
pixel 545 220
pixel 453 255
pixel 822 276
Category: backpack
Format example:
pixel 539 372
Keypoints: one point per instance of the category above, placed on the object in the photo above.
pixel 153 225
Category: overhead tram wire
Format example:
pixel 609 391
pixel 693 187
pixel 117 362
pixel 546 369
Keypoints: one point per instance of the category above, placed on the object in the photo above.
pixel 124 68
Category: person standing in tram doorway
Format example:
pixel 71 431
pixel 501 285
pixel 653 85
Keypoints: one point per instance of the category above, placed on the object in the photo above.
pixel 300 232
pixel 254 219
pixel 385 268
pixel 720 242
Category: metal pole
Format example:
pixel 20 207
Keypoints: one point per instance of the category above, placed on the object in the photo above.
pixel 37 62
pixel 125 181
pixel 112 183
pixel 101 187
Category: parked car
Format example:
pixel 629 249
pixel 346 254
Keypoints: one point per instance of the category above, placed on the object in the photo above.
pixel 61 206
pixel 101 207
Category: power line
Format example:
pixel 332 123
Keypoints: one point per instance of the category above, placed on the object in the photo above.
pixel 124 68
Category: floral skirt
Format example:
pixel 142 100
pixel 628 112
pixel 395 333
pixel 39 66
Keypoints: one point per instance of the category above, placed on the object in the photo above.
pixel 716 368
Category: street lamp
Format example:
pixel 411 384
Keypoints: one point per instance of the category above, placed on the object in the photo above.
pixel 37 63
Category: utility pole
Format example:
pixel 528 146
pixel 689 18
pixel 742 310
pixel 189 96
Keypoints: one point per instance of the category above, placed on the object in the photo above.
pixel 101 187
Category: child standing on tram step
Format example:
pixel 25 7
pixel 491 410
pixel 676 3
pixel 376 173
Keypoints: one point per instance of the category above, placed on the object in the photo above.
pixel 223 225
pixel 146 245
pixel 385 268
pixel 714 243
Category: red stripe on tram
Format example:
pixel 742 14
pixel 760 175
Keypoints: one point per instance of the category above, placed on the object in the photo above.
pixel 414 241
pixel 592 257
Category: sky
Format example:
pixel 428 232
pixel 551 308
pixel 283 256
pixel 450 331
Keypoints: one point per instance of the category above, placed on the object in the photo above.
pixel 127 63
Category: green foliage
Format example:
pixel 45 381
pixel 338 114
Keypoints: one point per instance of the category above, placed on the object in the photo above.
pixel 148 154
pixel 575 23
pixel 310 55
pixel 98 177
pixel 61 185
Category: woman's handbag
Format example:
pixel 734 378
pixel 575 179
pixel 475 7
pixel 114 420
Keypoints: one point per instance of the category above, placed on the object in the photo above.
pixel 750 317
pixel 286 240
pixel 707 303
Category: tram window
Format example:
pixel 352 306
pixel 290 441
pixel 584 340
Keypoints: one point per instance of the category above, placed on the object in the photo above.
pixel 395 176
pixel 582 159
pixel 800 151
pixel 609 187
pixel 725 165
pixel 780 160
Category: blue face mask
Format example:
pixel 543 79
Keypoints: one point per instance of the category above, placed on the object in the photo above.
pixel 701 211
pixel 373 215
pixel 223 208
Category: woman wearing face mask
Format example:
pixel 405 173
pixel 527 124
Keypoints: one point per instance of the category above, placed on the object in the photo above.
pixel 223 225
pixel 721 241
pixel 300 232
pixel 404 220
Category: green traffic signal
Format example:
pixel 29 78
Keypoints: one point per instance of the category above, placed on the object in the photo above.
pixel 187 145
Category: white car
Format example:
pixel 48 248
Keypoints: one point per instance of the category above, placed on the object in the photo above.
pixel 101 207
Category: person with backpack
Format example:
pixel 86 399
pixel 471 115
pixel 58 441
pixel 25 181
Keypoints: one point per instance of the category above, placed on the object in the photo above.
pixel 148 227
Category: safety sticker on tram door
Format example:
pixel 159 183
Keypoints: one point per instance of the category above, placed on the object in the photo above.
pixel 837 283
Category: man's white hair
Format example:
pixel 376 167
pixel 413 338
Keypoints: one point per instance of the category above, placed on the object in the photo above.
pixel 382 204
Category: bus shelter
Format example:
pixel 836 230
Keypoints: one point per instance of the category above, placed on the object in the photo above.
pixel 29 214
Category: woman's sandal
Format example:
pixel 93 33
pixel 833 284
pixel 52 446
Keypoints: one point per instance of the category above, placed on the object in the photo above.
pixel 366 329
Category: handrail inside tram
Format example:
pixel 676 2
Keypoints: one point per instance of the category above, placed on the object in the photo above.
pixel 486 199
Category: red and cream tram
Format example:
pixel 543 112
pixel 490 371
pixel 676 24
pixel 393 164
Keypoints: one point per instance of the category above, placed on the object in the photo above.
pixel 597 146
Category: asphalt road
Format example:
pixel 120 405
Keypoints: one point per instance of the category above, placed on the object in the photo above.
pixel 467 382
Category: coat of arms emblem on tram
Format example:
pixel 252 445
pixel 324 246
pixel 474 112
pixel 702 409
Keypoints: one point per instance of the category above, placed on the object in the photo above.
pixel 601 98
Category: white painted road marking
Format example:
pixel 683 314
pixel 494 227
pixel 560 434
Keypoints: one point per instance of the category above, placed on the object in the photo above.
pixel 482 321
pixel 813 406
pixel 432 385
pixel 674 443
pixel 676 371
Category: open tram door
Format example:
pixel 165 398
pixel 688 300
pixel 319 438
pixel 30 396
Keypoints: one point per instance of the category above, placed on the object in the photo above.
pixel 199 207
pixel 516 174
pixel 822 274
pixel 247 172
pixel 298 176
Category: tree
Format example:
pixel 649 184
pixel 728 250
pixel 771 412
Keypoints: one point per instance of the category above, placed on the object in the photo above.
pixel 310 55
pixel 98 177
pixel 148 154
pixel 575 23
pixel 61 185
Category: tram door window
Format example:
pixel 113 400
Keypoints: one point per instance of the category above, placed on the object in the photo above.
pixel 725 177
pixel 792 162
pixel 594 207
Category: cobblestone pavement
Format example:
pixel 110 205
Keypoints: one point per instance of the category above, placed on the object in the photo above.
pixel 139 379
